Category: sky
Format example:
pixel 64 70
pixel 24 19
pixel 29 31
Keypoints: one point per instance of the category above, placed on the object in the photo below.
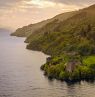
pixel 18 13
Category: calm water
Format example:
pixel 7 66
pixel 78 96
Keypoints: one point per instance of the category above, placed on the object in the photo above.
pixel 20 74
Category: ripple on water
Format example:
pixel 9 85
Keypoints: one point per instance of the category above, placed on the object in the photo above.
pixel 20 74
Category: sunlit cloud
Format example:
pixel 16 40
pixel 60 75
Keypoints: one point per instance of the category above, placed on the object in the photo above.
pixel 41 3
pixel 17 13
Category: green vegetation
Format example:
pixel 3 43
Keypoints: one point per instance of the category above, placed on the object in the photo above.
pixel 70 42
pixel 89 60
pixel 75 34
pixel 57 68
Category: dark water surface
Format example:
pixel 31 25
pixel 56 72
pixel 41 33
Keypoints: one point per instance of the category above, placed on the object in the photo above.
pixel 20 74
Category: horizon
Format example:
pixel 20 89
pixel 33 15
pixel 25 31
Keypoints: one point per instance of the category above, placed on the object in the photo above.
pixel 19 13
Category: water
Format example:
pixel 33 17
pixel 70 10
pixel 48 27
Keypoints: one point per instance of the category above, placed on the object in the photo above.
pixel 20 74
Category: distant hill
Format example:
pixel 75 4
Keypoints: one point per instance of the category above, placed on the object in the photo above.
pixel 4 30
pixel 28 30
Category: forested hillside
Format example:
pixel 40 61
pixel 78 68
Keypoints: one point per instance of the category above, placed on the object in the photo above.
pixel 71 44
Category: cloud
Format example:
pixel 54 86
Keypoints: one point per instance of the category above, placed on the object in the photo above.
pixel 7 3
pixel 41 3
pixel 17 13
pixel 22 5
pixel 75 2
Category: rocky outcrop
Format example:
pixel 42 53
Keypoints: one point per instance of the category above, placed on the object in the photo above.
pixel 71 66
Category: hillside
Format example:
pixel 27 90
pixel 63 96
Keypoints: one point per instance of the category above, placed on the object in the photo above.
pixel 73 19
pixel 28 30
pixel 4 30
pixel 70 40
pixel 66 34
pixel 71 44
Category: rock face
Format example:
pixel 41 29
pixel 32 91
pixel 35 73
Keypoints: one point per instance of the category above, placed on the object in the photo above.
pixel 71 66
pixel 48 59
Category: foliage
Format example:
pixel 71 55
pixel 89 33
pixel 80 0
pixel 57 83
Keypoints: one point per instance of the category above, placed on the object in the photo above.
pixel 89 61
pixel 71 40
pixel 57 68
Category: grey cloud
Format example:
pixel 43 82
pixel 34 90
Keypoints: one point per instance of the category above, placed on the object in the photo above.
pixel 4 3
pixel 8 3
